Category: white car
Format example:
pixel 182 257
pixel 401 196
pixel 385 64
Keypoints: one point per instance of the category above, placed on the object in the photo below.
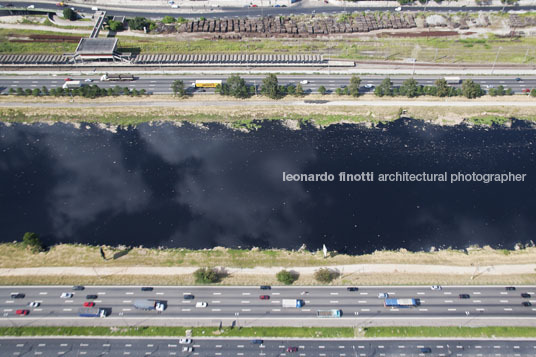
pixel 88 80
pixel 66 295
pixel 174 6
pixel 436 287
pixel 185 341
pixel 31 7
pixel 368 85
pixel 201 304
pixel 383 296
pixel 187 349
pixel 34 304
pixel 305 81
pixel 398 9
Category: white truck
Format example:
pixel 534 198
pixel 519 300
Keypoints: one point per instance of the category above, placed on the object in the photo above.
pixel 452 80
pixel 72 84
pixel 116 77
pixel 292 303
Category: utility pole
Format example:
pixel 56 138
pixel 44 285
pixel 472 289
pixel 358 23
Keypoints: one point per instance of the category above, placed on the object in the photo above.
pixel 413 73
pixel 526 55
pixel 494 62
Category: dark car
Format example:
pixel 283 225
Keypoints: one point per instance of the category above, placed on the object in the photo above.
pixel 78 288
pixel 18 296
pixel 188 297
pixel 146 288
pixel 266 287
pixel 9 5
pixel 264 297
pixel 510 288
pixel 526 303
pixel 257 342
pixel 425 350
pixel 525 295
pixel 464 296
pixel 91 297
pixel 518 79
pixel 292 349
pixel 352 288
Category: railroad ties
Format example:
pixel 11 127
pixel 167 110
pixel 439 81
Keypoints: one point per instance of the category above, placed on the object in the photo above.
pixel 231 60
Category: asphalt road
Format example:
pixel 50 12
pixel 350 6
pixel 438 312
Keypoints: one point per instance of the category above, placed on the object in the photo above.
pixel 269 347
pixel 162 85
pixel 239 303
pixel 297 9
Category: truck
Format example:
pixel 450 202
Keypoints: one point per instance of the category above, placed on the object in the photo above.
pixel 72 84
pixel 146 304
pixel 207 83
pixel 292 303
pixel 400 302
pixel 329 313
pixel 453 80
pixel 116 77
pixel 92 312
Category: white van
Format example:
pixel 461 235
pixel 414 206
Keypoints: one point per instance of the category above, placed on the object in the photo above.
pixel 201 304
pixel 94 8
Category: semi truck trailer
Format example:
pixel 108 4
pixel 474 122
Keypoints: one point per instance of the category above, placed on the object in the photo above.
pixel 329 313
pixel 116 77
pixel 400 302
pixel 92 312
pixel 146 304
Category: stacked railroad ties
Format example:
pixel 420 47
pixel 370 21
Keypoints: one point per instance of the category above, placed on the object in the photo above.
pixel 293 27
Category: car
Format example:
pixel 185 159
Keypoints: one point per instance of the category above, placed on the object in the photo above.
pixel 398 8
pixel 30 7
pixel 201 304
pixel 283 5
pixel 266 287
pixel 18 296
pixel 526 303
pixel 22 312
pixel 264 297
pixel 257 342
pixel 368 85
pixel 60 4
pixel 188 297
pixel 383 296
pixel 88 80
pixel 352 288
pixel 525 90
pixel 313 12
pixel 436 287
pixel 78 288
pixel 510 288
pixel 525 295
pixel 89 304
pixel 185 341
pixel 277 5
pixel 91 297
pixel 9 5
pixel 305 81
pixel 464 296
pixel 292 349
pixel 518 79
pixel 34 304
pixel 146 288
pixel 171 2
pixel 68 79
pixel 425 350
pixel 253 5
pixel 66 295
pixel 174 6
pixel 187 349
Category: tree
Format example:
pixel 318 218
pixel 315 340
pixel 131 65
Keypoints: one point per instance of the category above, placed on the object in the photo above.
pixel 31 240
pixel 138 23
pixel 409 88
pixel 286 277
pixel 299 90
pixel 44 90
pixel 168 19
pixel 206 276
pixel 471 89
pixel 270 86
pixel 291 89
pixel 353 88
pixel 27 92
pixel 12 91
pixel 532 93
pixel 339 91
pixel 178 88
pixel 325 275
pixel 322 90
pixel 115 25
pixel 509 91
pixel 385 88
pixel 36 92
pixel 237 87
pixel 69 14
pixel 443 88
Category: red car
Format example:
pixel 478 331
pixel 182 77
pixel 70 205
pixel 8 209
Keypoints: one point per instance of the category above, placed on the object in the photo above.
pixel 68 79
pixel 526 90
pixel 89 304
pixel 253 5
pixel 264 297
pixel 22 312
pixel 292 349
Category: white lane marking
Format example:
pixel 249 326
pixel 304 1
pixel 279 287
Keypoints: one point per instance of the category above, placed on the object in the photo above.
pixel 420 293
pixel 480 309
pixel 448 301
pixel 42 345
pixel 216 293
pixel 363 293
pixel 185 309
pixel 275 301
pixel 8 310
pixel 67 309
pixel 365 309
pixel 334 293
pixel 477 301
pixel 476 292
pixel 276 293
pixel 127 301
pixel 504 301
pixel 9 302
pixel 244 301
pixel 159 293
pixel 216 309
pixel 66 301
pixel 451 309
pixel 423 309
pixel 129 293
pixel 276 309
pixel 101 293
pixel 43 293
pixel 504 293
pixel 215 301
pixel 246 309
pixel 126 309
pixel 447 293
pixel 38 309
pixel 246 294
pixel 507 309
pixel 333 301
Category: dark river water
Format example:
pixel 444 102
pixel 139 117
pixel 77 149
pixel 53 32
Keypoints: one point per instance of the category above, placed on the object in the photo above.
pixel 163 185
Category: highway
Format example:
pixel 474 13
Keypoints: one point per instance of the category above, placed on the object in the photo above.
pixel 244 303
pixel 92 346
pixel 162 85
pixel 297 9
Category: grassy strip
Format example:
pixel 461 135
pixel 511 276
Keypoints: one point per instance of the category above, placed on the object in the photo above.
pixel 450 331
pixel 338 332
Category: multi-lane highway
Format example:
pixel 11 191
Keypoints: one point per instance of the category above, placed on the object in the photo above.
pixel 212 12
pixel 311 83
pixel 245 303
pixel 92 346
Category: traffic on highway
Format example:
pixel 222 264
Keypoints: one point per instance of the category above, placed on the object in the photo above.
pixel 78 302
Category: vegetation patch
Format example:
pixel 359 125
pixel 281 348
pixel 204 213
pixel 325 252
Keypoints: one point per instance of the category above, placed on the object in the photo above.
pixel 451 331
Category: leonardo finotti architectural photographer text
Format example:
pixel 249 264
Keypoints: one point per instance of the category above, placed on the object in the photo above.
pixel 406 177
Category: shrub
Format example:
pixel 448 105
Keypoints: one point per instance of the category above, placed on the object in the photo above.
pixel 322 90
pixel 206 276
pixel 286 277
pixel 325 275
pixel 115 25
pixel 168 19
pixel 31 240
pixel 69 14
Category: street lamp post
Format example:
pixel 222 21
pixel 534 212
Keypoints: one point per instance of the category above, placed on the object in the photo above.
pixel 496 56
